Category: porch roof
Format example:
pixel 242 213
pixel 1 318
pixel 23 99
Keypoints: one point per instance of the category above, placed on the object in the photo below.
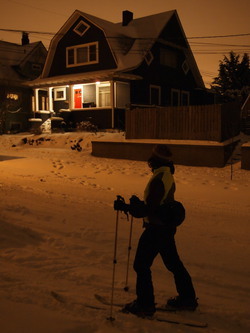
pixel 89 77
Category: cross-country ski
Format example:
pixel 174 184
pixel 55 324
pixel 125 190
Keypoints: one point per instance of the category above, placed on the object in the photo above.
pixel 169 317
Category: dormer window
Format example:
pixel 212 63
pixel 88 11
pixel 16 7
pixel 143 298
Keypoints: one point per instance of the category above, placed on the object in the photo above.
pixel 80 55
pixel 81 28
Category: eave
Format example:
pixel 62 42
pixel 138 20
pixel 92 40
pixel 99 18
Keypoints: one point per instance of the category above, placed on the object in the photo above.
pixel 89 77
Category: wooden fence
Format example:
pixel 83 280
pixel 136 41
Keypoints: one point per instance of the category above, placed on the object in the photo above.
pixel 217 122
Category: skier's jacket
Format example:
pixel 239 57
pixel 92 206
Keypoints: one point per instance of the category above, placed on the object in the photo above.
pixel 159 190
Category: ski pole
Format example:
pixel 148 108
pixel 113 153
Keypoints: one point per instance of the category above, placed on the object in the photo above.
pixel 126 288
pixel 111 318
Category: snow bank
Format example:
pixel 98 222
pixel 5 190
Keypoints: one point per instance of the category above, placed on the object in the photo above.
pixel 57 236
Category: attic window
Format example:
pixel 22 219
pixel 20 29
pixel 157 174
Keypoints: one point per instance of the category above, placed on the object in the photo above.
pixel 81 28
pixel 149 57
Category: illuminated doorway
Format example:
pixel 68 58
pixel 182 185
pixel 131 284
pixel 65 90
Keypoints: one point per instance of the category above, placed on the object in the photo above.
pixel 77 97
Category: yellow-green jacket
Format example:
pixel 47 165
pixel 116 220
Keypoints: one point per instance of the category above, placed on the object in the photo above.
pixel 160 189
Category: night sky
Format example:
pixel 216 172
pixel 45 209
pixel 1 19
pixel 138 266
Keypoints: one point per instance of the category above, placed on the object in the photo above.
pixel 199 19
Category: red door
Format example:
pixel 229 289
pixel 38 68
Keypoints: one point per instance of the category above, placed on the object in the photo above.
pixel 78 98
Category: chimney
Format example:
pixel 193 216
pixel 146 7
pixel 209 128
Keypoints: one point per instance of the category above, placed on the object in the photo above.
pixel 127 17
pixel 25 38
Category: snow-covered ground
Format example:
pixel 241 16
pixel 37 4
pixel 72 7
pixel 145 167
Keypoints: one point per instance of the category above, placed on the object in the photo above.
pixel 57 227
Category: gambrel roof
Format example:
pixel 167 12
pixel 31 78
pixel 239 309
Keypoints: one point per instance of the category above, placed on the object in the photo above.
pixel 129 44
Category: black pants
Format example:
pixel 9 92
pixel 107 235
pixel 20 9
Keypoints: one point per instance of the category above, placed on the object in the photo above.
pixel 156 240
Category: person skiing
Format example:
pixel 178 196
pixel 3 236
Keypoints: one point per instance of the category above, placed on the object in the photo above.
pixel 158 237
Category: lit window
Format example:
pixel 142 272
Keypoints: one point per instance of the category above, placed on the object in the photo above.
pixel 81 28
pixel 82 55
pixel 103 90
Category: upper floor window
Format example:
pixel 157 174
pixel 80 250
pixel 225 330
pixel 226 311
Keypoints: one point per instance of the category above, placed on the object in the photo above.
pixel 79 55
pixel 81 28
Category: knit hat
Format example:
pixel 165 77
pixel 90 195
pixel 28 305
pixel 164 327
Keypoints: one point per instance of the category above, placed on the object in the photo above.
pixel 162 152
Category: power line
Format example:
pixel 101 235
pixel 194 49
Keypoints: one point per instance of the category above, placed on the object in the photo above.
pixel 29 32
pixel 37 8
pixel 146 38
pixel 220 36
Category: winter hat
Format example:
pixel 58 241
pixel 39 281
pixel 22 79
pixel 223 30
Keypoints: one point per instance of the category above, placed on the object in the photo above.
pixel 162 152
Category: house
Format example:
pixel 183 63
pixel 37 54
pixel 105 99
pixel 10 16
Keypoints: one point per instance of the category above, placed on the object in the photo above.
pixel 96 68
pixel 18 63
pixel 245 116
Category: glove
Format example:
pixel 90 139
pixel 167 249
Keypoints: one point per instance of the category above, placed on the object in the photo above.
pixel 137 207
pixel 119 204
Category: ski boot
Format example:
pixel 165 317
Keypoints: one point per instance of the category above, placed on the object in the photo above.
pixel 179 303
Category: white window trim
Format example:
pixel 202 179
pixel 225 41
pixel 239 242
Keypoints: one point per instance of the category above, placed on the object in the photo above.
pixel 98 86
pixel 175 91
pixel 75 64
pixel 63 89
pixel 159 96
pixel 81 33
pixel 187 93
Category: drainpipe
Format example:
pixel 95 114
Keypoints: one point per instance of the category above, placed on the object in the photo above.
pixel 112 103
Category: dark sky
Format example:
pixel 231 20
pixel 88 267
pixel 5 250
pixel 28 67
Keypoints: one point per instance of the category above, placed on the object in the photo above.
pixel 200 18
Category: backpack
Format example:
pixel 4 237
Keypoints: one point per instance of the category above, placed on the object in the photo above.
pixel 172 213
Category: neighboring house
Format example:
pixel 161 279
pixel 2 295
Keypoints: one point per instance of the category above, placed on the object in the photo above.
pixel 18 63
pixel 245 116
pixel 96 68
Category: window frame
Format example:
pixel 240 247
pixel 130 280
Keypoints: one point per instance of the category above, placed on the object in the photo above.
pixel 98 93
pixel 187 94
pixel 75 48
pixel 61 89
pixel 152 86
pixel 77 27
pixel 175 91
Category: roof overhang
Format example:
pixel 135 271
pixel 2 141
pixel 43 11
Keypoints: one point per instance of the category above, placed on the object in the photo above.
pixel 89 77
